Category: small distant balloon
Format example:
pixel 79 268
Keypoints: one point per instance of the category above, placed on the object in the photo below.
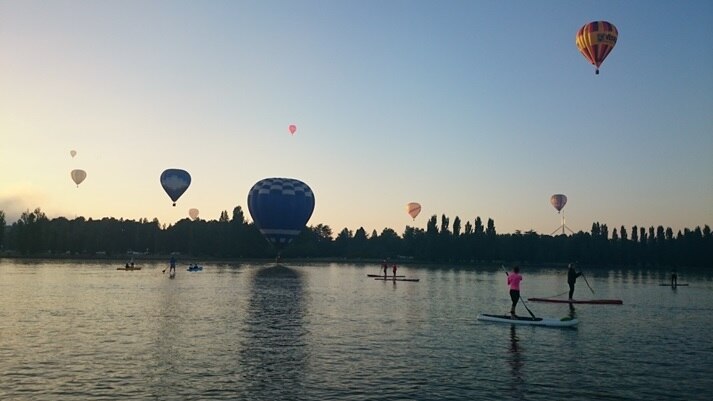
pixel 193 213
pixel 78 176
pixel 175 182
pixel 72 153
pixel 413 209
pixel 558 201
pixel 595 41
pixel 293 129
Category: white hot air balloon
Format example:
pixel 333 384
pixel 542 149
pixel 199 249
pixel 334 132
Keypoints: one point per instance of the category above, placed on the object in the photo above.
pixel 78 176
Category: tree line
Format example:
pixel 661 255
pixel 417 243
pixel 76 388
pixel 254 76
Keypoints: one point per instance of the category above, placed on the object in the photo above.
pixel 232 237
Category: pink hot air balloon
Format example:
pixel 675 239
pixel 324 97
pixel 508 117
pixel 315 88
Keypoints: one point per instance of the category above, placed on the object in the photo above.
pixel 558 201
pixel 193 213
pixel 413 209
pixel 292 128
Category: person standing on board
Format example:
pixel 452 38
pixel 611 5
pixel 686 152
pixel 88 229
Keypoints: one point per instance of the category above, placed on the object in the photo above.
pixel 172 268
pixel 393 268
pixel 571 279
pixel 386 269
pixel 674 279
pixel 514 279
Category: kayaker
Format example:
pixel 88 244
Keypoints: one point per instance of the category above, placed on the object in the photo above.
pixel 571 279
pixel 514 279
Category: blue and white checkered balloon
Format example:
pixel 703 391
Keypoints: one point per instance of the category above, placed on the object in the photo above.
pixel 280 208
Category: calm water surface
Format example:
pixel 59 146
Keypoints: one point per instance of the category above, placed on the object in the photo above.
pixel 78 331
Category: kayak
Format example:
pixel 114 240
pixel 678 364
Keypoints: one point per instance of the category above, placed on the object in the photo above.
pixel 539 321
pixel 128 268
pixel 579 301
pixel 397 279
pixel 381 275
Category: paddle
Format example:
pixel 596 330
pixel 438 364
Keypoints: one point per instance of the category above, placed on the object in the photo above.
pixel 521 298
pixel 585 280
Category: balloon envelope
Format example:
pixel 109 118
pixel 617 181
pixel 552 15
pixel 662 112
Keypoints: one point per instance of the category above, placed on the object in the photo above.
pixel 293 129
pixel 413 209
pixel 280 208
pixel 193 213
pixel 596 40
pixel 175 182
pixel 78 176
pixel 558 201
pixel 72 153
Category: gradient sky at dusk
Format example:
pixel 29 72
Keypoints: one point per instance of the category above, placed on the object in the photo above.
pixel 472 108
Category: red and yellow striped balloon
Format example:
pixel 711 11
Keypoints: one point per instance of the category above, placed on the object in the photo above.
pixel 596 40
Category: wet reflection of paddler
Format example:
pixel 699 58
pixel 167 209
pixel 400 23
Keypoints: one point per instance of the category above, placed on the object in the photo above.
pixel 516 363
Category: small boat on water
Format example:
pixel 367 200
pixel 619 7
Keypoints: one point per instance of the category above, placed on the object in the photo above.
pixel 195 268
pixel 579 301
pixel 538 321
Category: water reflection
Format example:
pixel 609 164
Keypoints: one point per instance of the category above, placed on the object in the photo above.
pixel 572 312
pixel 167 344
pixel 274 356
pixel 516 363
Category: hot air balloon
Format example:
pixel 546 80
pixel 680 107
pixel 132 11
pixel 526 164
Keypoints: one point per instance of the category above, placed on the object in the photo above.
pixel 280 208
pixel 175 182
pixel 193 213
pixel 292 128
pixel 413 209
pixel 558 201
pixel 72 153
pixel 78 176
pixel 596 40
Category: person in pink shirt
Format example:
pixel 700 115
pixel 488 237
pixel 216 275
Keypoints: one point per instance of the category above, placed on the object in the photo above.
pixel 514 279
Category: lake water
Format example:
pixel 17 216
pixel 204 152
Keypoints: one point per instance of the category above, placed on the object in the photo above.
pixel 78 331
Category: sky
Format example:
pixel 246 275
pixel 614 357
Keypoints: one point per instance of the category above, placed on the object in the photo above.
pixel 471 108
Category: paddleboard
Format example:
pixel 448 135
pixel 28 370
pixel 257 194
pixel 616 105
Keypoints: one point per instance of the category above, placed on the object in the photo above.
pixel 579 301
pixel 397 279
pixel 539 321
pixel 677 285
pixel 382 276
